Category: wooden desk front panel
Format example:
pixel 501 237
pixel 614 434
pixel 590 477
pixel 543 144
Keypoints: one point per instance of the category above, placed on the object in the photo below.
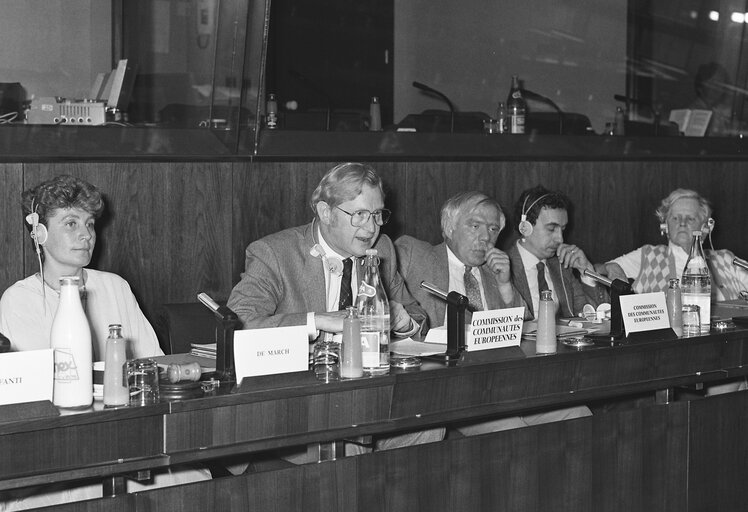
pixel 310 416
pixel 63 448
pixel 623 461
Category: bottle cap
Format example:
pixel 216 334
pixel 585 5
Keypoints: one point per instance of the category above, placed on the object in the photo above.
pixel 673 282
pixel 371 252
pixel 546 295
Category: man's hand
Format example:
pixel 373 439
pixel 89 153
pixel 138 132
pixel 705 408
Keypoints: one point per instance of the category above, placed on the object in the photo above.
pixel 331 321
pixel 498 262
pixel 572 256
pixel 399 318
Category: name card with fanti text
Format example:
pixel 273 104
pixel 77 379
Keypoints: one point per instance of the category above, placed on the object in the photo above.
pixel 644 312
pixel 270 351
pixel 495 328
pixel 26 376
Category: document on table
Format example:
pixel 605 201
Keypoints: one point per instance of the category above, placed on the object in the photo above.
pixel 411 347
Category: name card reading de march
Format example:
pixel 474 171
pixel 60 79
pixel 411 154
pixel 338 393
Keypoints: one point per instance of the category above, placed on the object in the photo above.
pixel 495 328
pixel 644 312
pixel 272 350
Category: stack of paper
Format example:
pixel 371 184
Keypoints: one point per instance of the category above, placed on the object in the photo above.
pixel 204 350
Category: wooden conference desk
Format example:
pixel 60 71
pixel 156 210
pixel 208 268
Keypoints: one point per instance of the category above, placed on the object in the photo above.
pixel 686 455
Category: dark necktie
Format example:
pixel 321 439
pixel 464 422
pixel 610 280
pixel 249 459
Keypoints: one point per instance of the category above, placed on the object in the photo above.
pixel 346 295
pixel 472 290
pixel 542 283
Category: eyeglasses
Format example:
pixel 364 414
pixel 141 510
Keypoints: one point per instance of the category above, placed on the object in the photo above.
pixel 361 217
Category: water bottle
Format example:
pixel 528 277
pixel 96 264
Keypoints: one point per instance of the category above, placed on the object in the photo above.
pixel 351 366
pixel 271 112
pixel 116 392
pixel 516 108
pixel 375 115
pixel 675 306
pixel 696 282
pixel 619 122
pixel 501 117
pixel 374 314
pixel 545 342
pixel 70 337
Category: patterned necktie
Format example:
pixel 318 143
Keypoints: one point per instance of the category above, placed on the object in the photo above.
pixel 472 290
pixel 542 283
pixel 346 295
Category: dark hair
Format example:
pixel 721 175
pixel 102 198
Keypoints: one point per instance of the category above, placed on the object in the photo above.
pixel 61 192
pixel 533 200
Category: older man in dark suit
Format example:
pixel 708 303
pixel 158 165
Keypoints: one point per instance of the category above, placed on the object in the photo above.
pixel 467 261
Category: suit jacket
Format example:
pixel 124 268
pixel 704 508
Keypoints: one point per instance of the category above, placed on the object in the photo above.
pixel 420 261
pixel 572 293
pixel 282 281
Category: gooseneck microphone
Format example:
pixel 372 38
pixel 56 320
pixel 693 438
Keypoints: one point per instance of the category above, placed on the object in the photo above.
pixel 430 90
pixel 528 94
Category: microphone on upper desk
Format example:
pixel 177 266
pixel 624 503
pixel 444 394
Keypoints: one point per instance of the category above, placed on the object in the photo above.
pixel 740 263
pixel 430 90
pixel 544 99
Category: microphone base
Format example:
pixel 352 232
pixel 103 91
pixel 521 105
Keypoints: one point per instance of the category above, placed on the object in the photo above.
pixel 446 358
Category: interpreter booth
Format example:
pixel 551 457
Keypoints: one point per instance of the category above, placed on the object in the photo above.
pixel 164 106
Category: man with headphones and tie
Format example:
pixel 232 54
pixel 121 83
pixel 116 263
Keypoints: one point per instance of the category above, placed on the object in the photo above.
pixel 540 260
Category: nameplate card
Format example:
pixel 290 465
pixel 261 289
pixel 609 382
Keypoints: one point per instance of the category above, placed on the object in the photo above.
pixel 644 312
pixel 495 328
pixel 26 376
pixel 270 351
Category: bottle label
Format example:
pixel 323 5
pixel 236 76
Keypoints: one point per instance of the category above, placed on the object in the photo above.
pixel 65 367
pixel 518 124
pixel 367 290
pixel 370 349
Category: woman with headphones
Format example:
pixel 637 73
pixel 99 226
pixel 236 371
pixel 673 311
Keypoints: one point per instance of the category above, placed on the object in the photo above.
pixel 651 266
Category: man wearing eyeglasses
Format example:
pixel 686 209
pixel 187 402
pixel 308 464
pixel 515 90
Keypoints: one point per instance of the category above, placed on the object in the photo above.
pixel 309 274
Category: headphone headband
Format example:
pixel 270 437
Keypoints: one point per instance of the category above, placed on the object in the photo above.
pixel 524 211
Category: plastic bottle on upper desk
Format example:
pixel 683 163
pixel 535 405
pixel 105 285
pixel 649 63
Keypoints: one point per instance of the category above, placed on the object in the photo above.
pixel 375 115
pixel 675 306
pixel 501 117
pixel 545 342
pixel 351 366
pixel 70 337
pixel 271 112
pixel 374 314
pixel 516 108
pixel 619 122
pixel 696 283
pixel 116 392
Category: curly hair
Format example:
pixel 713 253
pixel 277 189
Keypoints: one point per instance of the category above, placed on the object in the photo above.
pixel 682 193
pixel 61 192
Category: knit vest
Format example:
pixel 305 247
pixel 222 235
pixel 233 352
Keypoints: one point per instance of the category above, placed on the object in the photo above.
pixel 657 266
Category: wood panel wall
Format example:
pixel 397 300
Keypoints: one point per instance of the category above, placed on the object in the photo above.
pixel 176 229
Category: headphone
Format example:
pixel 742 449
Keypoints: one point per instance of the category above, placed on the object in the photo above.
pixel 706 229
pixel 39 231
pixel 525 226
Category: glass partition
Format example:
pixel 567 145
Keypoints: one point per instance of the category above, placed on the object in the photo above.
pixel 198 72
